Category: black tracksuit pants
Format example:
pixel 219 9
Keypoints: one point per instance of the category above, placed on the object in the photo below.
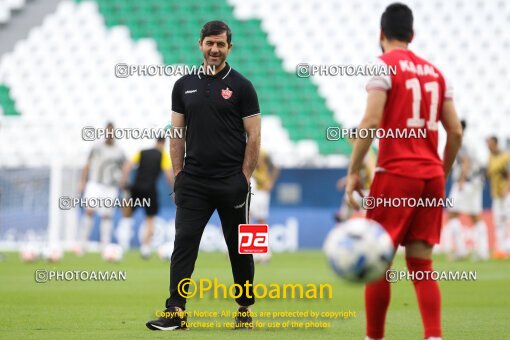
pixel 196 199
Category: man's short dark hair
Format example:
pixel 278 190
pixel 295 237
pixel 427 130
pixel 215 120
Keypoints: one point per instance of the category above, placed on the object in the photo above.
pixel 397 22
pixel 494 139
pixel 215 27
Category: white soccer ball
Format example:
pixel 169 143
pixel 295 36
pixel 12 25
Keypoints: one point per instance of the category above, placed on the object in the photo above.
pixel 52 253
pixel 359 250
pixel 29 252
pixel 112 253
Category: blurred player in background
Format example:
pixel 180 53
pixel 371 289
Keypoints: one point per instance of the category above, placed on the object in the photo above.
pixel 151 163
pixel 366 176
pixel 415 97
pixel 264 178
pixel 497 172
pixel 100 179
pixel 467 195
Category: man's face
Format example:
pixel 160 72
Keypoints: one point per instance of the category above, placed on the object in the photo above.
pixel 215 49
pixel 492 145
pixel 109 134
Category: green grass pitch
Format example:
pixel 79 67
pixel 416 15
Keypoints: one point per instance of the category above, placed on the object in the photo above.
pixel 119 309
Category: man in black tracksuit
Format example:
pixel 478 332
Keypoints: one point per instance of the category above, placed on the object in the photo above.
pixel 212 166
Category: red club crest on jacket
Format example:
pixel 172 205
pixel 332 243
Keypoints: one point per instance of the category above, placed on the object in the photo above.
pixel 226 94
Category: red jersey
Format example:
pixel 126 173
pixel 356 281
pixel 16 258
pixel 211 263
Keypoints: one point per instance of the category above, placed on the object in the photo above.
pixel 416 92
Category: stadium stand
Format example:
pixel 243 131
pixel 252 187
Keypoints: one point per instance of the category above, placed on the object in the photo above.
pixel 7 7
pixel 295 101
pixel 61 76
pixel 6 102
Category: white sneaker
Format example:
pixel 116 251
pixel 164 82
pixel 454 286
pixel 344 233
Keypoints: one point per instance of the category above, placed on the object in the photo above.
pixel 145 251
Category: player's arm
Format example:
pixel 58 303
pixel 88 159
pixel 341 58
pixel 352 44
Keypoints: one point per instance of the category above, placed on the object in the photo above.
pixel 369 163
pixel 465 165
pixel 274 172
pixel 453 129
pixel 177 145
pixel 166 168
pixel 250 114
pixel 126 169
pixel 251 153
pixel 169 175
pixel 371 120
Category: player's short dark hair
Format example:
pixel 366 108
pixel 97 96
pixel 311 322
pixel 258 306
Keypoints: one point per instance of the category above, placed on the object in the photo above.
pixel 215 27
pixel 397 22
pixel 463 124
pixel 494 139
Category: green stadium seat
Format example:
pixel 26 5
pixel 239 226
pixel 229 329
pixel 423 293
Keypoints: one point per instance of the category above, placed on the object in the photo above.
pixel 175 26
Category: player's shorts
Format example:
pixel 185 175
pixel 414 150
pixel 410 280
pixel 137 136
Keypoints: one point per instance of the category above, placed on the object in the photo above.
pixel 468 200
pixel 259 206
pixel 95 190
pixel 408 223
pixel 151 195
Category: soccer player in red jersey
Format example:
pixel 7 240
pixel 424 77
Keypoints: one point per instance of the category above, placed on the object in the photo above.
pixel 415 97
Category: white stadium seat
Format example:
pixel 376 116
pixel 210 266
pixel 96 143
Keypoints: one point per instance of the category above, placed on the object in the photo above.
pixel 63 72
